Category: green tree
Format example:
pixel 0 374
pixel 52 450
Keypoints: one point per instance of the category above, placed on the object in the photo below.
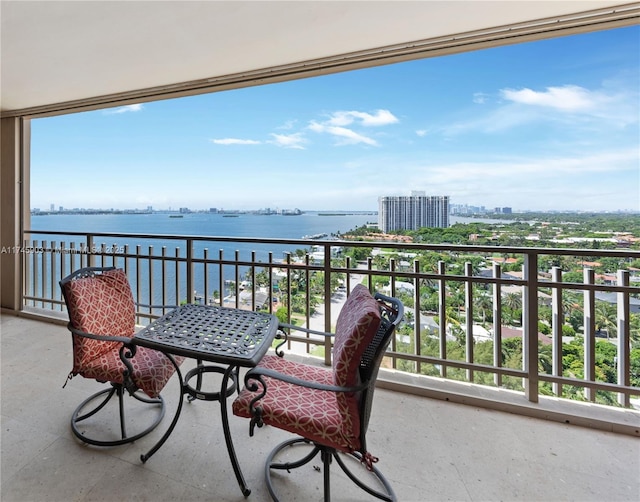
pixel 483 302
pixel 606 318
pixel 512 304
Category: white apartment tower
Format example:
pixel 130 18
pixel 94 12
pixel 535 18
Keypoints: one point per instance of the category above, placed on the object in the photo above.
pixel 412 212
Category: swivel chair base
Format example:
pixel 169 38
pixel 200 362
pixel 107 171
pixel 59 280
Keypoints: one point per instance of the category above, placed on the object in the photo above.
pixel 326 454
pixel 105 395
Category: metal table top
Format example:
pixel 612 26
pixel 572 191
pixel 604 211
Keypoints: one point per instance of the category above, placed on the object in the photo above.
pixel 210 333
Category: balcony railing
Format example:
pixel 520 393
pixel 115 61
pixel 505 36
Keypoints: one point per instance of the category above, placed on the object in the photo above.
pixel 469 319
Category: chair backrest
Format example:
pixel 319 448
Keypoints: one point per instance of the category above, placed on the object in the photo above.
pixel 99 301
pixel 363 331
pixel 391 313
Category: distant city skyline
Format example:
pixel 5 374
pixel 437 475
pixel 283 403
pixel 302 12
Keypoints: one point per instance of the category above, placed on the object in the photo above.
pixel 455 210
pixel 541 126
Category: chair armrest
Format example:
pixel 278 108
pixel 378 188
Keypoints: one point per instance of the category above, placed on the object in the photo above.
pixel 284 335
pixel 257 373
pixel 127 351
pixel 103 338
pixel 305 330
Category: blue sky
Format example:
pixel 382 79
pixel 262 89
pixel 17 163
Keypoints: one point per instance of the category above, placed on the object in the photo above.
pixel 548 125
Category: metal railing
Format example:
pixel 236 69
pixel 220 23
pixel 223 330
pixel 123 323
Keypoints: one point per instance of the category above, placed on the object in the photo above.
pixel 449 292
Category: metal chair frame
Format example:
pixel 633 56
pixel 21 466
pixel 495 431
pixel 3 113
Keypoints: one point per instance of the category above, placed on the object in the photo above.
pixel 119 391
pixel 392 311
pixel 127 352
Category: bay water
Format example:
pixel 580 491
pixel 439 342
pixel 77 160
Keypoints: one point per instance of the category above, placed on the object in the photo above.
pixel 220 225
pixel 209 224
pixel 308 224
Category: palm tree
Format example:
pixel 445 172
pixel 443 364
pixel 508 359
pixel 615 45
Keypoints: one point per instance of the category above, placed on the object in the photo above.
pixel 483 303
pixel 512 303
pixel 606 318
pixel 409 316
pixel 262 278
pixel 569 304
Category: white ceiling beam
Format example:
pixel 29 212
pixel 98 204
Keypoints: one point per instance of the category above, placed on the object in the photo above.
pixel 62 56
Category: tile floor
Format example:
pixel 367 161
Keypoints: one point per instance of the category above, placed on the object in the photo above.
pixel 429 449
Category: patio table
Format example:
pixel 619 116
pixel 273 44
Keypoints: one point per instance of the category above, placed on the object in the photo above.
pixel 230 338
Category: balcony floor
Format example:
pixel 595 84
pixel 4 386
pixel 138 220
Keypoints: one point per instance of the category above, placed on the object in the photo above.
pixel 429 449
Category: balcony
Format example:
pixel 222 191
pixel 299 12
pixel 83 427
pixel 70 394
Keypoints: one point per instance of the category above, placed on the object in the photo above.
pixel 431 367
pixel 431 370
pixel 448 291
pixel 429 449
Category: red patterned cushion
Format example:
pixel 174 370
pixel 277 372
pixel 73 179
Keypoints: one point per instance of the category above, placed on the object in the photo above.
pixel 151 369
pixel 328 418
pixel 101 305
pixel 311 413
pixel 356 327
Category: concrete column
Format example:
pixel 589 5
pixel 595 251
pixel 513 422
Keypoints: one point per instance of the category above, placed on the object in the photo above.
pixel 15 142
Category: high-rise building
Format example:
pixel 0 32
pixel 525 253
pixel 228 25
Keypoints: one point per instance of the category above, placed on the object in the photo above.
pixel 413 212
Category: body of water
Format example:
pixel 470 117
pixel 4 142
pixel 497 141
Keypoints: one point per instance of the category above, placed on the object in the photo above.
pixel 209 224
pixel 309 224
pixel 219 225
pixel 192 224
pixel 312 225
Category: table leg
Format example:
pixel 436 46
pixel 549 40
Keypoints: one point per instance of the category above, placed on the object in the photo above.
pixel 191 398
pixel 227 432
pixel 145 456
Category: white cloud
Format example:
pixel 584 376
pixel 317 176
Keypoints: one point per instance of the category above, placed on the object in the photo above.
pixel 235 141
pixel 336 125
pixel 479 97
pixel 571 109
pixel 125 109
pixel 379 118
pixel 590 181
pixel 501 119
pixel 289 140
pixel 421 132
pixel 344 135
pixel 566 98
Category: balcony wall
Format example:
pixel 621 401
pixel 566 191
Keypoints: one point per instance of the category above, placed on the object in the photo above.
pixel 431 357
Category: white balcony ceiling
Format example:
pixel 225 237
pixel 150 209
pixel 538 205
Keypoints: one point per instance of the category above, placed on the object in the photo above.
pixel 73 53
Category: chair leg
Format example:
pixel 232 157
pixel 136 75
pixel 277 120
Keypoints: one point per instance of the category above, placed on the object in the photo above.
pixel 326 467
pixel 105 395
pixel 387 495
pixel 287 465
pixel 123 427
pixel 327 455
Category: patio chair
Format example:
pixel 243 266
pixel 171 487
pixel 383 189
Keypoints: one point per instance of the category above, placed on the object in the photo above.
pixel 328 408
pixel 102 321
